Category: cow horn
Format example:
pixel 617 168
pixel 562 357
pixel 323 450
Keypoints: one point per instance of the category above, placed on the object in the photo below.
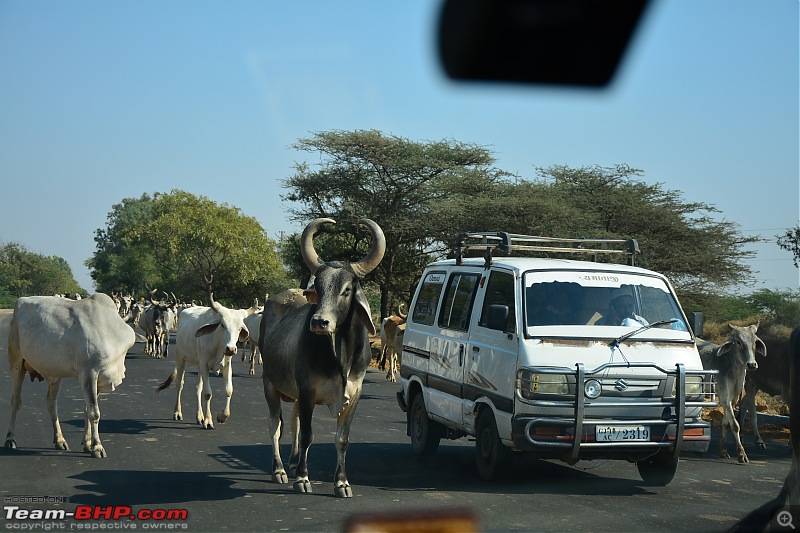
pixel 376 251
pixel 152 293
pixel 174 300
pixel 214 305
pixel 312 260
pixel 400 311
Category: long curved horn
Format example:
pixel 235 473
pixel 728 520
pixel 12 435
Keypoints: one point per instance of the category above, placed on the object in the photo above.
pixel 312 260
pixel 216 306
pixel 152 293
pixel 400 311
pixel 376 251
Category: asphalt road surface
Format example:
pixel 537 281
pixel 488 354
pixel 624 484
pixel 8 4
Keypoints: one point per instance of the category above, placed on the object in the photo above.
pixel 219 480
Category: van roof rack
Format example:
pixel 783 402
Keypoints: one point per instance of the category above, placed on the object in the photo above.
pixel 508 243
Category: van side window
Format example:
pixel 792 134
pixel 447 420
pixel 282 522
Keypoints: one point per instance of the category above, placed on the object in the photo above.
pixel 458 299
pixel 499 290
pixel 425 309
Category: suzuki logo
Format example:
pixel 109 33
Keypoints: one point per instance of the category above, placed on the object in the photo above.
pixel 621 385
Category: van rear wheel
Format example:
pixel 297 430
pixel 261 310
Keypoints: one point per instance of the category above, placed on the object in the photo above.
pixel 658 470
pixel 491 455
pixel 425 433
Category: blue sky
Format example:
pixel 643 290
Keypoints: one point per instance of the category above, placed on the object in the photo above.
pixel 101 101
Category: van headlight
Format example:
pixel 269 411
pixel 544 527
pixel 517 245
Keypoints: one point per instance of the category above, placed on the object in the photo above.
pixel 531 383
pixel 694 386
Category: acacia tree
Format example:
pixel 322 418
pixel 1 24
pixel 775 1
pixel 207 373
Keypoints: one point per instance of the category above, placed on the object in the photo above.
pixel 397 182
pixel 790 241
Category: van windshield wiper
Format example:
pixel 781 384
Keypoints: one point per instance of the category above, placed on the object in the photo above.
pixel 630 334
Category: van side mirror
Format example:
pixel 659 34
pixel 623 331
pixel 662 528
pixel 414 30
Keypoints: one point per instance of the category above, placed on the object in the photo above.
pixel 497 317
pixel 696 321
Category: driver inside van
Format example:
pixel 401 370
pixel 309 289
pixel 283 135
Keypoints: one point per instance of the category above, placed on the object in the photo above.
pixel 621 313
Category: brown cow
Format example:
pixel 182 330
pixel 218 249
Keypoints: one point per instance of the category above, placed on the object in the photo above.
pixel 389 328
pixel 732 359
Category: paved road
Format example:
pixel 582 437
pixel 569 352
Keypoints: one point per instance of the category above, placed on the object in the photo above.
pixel 221 477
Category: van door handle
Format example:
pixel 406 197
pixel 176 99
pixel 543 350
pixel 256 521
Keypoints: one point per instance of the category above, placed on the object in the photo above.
pixel 476 349
pixel 461 355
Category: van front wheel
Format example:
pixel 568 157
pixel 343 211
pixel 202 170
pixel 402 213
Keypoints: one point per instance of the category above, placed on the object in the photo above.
pixel 658 470
pixel 425 433
pixel 492 456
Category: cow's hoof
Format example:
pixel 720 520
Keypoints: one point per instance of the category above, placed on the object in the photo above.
pixel 61 445
pixel 221 418
pixel 343 491
pixel 252 372
pixel 11 444
pixel 177 416
pixel 280 477
pixel 98 452
pixel 208 425
pixel 743 459
pixel 761 445
pixel 302 486
pixel 724 455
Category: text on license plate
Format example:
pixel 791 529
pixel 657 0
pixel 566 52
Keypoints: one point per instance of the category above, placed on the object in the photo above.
pixel 622 433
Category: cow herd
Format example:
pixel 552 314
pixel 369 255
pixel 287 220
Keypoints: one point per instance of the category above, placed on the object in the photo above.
pixel 314 344
pixel 315 348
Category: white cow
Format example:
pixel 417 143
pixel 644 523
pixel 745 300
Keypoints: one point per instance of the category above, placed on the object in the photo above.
pixel 53 338
pixel 253 323
pixel 207 337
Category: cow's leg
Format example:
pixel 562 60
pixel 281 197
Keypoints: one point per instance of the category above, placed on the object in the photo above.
pixel 305 406
pixel 295 427
pixel 747 405
pixel 274 406
pixel 252 359
pixel 726 409
pixel 52 408
pixel 341 487
pixel 204 397
pixel 227 372
pixel 91 437
pixel 729 422
pixel 392 365
pixel 180 369
pixel 17 379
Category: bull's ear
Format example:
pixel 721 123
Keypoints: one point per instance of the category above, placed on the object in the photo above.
pixel 363 312
pixel 761 348
pixel 725 348
pixel 311 296
pixel 207 329
pixel 243 334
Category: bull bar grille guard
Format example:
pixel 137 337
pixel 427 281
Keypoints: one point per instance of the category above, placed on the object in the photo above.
pixel 581 406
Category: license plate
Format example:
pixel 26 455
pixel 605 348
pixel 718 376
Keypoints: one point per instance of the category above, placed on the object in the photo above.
pixel 622 433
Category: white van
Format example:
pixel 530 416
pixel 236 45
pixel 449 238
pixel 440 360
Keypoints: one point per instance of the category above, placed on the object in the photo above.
pixel 525 353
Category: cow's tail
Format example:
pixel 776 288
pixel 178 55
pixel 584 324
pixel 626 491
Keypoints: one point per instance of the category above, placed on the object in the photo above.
pixel 168 381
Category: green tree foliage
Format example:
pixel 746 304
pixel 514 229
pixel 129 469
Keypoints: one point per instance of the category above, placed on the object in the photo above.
pixel 119 265
pixel 790 241
pixel 396 182
pixel 677 238
pixel 176 241
pixel 24 273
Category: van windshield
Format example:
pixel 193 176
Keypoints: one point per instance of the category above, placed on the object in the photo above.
pixel 613 300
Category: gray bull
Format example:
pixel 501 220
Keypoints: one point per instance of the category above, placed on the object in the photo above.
pixel 317 353
pixel 733 359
